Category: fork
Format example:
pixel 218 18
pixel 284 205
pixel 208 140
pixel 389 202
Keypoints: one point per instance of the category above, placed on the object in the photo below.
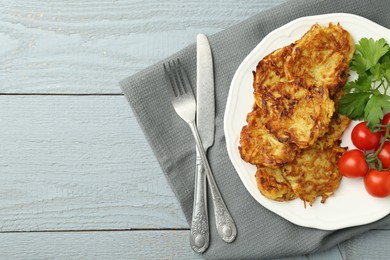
pixel 183 101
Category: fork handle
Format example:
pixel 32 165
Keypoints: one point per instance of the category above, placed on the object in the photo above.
pixel 225 224
pixel 200 233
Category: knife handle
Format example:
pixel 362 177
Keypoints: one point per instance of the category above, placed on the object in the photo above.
pixel 225 224
pixel 200 233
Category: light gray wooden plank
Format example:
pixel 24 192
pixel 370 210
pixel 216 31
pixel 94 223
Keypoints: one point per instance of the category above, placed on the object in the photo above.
pixel 97 245
pixel 154 245
pixel 79 162
pixel 89 46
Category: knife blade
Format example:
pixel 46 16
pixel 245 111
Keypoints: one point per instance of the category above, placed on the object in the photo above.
pixel 205 116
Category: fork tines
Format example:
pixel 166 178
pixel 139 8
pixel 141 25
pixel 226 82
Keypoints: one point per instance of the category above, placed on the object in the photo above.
pixel 176 77
pixel 180 91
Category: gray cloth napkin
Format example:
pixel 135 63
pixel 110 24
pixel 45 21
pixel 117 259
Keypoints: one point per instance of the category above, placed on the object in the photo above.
pixel 261 233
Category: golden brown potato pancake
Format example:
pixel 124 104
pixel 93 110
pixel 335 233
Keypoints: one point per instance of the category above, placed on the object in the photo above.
pixel 296 114
pixel 336 128
pixel 292 134
pixel 270 70
pixel 259 147
pixel 314 173
pixel 272 184
pixel 321 57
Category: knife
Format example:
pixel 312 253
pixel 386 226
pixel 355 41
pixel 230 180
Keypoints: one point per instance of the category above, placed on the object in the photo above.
pixel 205 120
pixel 205 113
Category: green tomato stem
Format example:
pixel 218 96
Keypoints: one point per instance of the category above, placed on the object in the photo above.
pixel 373 157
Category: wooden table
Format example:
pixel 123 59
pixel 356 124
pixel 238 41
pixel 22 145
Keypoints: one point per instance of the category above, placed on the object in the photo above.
pixel 78 179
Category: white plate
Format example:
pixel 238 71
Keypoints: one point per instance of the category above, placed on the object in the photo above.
pixel 351 205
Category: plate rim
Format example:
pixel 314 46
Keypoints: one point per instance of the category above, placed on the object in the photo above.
pixel 286 214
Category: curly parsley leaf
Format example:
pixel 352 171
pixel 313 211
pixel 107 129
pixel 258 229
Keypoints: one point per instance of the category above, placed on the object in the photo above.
pixel 364 100
pixel 373 111
pixel 369 53
pixel 362 84
pixel 353 104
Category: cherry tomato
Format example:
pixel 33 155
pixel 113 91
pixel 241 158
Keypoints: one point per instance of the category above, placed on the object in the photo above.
pixel 385 121
pixel 377 183
pixel 352 164
pixel 384 155
pixel 363 138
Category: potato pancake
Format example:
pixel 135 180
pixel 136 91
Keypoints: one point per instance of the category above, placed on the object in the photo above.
pixel 292 133
pixel 336 128
pixel 314 173
pixel 259 147
pixel 296 114
pixel 270 70
pixel 321 57
pixel 273 185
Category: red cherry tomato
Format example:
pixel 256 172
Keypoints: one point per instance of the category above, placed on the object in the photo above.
pixel 363 138
pixel 352 164
pixel 384 155
pixel 385 121
pixel 377 183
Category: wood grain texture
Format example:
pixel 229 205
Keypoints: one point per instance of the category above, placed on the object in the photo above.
pixel 89 46
pixel 79 162
pixel 150 245
pixel 108 245
pixel 97 245
pixel 111 245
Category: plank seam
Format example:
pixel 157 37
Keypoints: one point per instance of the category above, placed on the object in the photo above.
pixel 96 230
pixel 61 94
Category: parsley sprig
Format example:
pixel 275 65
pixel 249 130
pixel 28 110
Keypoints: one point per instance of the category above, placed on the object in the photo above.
pixel 364 100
